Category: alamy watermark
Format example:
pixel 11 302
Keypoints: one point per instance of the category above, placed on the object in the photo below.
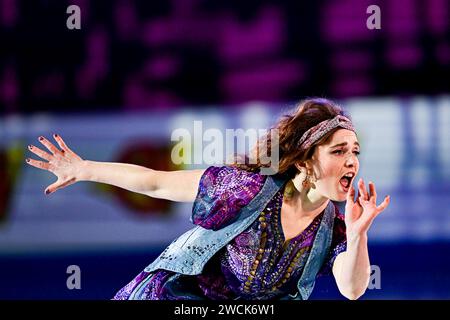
pixel 212 147
pixel 74 280
pixel 374 20
pixel 375 277
pixel 74 20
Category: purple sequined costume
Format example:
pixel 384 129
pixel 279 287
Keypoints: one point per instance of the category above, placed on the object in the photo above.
pixel 257 264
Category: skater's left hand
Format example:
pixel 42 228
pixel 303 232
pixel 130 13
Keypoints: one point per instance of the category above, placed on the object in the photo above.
pixel 360 214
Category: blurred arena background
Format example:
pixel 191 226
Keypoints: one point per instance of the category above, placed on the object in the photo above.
pixel 116 89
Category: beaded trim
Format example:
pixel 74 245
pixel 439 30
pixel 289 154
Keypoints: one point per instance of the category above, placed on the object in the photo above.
pixel 277 279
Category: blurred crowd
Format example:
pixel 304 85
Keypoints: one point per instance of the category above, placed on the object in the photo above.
pixel 134 55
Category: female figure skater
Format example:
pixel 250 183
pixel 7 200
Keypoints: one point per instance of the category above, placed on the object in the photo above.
pixel 256 236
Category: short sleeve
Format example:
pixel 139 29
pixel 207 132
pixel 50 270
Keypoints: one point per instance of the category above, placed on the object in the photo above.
pixel 338 244
pixel 222 193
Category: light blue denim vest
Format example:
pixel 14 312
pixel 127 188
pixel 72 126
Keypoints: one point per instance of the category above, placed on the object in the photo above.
pixel 190 252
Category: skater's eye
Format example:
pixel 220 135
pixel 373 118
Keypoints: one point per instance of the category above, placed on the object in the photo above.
pixel 343 151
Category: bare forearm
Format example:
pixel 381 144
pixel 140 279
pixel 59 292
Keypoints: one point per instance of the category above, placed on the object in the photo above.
pixel 127 176
pixel 354 270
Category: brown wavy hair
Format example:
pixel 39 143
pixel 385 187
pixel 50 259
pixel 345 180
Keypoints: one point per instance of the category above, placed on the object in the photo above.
pixel 291 126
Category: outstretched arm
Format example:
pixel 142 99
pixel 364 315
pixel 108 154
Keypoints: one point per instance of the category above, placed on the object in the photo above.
pixel 181 185
pixel 70 168
pixel 351 268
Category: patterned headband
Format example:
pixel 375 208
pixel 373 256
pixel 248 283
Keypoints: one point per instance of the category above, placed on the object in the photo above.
pixel 314 134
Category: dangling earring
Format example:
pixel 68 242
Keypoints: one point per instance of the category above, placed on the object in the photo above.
pixel 309 181
pixel 306 181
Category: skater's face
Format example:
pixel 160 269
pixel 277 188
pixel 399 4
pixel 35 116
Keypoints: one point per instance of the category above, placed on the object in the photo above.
pixel 335 165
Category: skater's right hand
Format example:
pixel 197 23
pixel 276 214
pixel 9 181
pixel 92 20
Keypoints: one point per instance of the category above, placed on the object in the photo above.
pixel 64 163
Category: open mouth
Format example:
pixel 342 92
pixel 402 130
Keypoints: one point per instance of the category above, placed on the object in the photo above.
pixel 346 181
